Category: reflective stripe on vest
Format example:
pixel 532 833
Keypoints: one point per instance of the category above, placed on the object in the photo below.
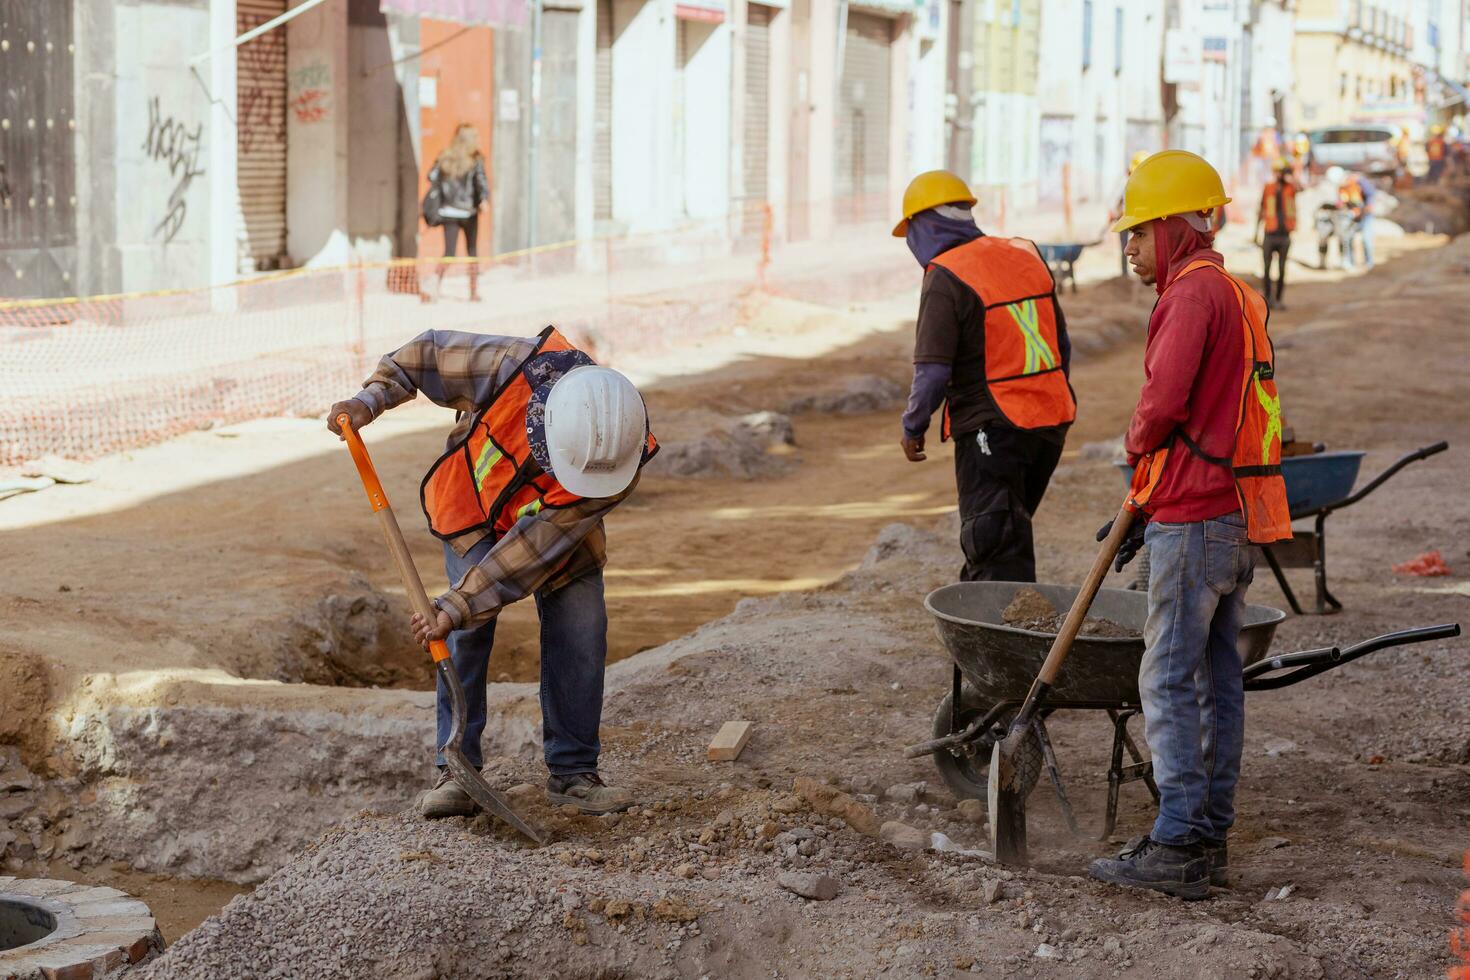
pixel 483 481
pixel 1256 460
pixel 1023 361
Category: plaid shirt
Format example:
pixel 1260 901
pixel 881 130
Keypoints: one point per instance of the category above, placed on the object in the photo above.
pixel 545 551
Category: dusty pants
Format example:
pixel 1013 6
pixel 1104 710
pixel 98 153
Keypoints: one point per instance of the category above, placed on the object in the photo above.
pixel 1275 246
pixel 1002 474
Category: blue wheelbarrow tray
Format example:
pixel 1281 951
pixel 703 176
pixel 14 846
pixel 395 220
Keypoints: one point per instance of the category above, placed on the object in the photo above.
pixel 1312 482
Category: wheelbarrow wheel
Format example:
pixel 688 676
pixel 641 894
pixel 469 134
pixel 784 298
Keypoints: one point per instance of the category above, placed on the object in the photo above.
pixel 965 769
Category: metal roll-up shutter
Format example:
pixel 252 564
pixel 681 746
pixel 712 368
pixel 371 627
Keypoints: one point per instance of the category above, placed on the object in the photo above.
pixel 556 210
pixel 261 135
pixel 757 114
pixel 602 120
pixel 862 118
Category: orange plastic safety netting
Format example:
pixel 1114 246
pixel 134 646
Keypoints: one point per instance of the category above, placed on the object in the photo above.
pixel 81 377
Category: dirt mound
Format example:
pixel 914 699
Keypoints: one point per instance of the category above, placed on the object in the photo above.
pixel 754 445
pixel 866 393
pixel 1437 210
pixel 1030 610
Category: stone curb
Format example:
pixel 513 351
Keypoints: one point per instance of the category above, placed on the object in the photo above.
pixel 99 931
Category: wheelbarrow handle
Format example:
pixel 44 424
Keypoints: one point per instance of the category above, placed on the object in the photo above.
pixel 1300 666
pixel 1379 480
pixel 392 533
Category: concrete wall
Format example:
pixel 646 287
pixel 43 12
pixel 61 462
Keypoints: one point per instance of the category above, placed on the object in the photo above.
pixel 383 117
pixel 317 179
pixel 642 113
pixel 153 147
pixel 704 158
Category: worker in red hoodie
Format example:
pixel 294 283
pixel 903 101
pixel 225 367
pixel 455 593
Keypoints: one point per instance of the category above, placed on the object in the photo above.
pixel 1205 441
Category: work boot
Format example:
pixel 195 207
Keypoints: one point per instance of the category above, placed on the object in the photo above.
pixel 1182 871
pixel 587 792
pixel 446 799
pixel 1219 863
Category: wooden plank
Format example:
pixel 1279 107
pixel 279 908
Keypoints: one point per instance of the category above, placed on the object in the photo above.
pixel 729 741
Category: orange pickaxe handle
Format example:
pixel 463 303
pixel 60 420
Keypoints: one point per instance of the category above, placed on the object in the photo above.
pixel 397 547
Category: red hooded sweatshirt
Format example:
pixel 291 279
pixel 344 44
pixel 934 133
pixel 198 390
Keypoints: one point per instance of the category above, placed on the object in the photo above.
pixel 1191 370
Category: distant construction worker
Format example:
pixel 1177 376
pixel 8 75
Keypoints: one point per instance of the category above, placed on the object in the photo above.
pixel 1266 150
pixel 1277 217
pixel 1301 157
pixel 547 444
pixel 1436 149
pixel 1206 443
pixel 1367 191
pixel 992 347
pixel 1350 211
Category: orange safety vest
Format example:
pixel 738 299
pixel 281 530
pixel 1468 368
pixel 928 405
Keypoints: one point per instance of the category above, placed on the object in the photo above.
pixel 1351 195
pixel 1269 216
pixel 482 481
pixel 1023 362
pixel 1256 462
pixel 1435 148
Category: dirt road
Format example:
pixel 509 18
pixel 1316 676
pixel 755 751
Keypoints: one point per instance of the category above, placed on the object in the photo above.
pixel 232 577
pixel 1353 796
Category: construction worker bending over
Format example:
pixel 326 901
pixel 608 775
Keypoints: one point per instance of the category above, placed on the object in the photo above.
pixel 1278 217
pixel 992 348
pixel 1207 431
pixel 546 446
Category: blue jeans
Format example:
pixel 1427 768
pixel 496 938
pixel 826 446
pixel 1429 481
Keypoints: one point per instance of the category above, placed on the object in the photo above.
pixel 1190 679
pixel 573 661
pixel 1365 232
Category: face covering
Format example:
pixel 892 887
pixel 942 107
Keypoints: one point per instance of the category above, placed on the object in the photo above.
pixel 1174 241
pixel 937 230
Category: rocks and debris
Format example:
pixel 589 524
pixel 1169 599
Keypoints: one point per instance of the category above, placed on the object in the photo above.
pixel 865 393
pixel 758 444
pixel 1030 610
pixel 903 836
pixel 1278 894
pixel 972 810
pixel 808 884
pixel 729 741
pixel 1274 747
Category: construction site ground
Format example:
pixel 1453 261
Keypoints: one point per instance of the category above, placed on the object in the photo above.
pixel 207 670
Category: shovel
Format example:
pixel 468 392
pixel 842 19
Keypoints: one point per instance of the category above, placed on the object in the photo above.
pixel 466 775
pixel 1007 796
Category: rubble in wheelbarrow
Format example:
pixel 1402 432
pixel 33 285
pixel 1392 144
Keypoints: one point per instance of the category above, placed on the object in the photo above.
pixel 1030 610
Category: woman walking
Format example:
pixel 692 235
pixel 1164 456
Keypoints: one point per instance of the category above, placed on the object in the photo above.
pixel 457 189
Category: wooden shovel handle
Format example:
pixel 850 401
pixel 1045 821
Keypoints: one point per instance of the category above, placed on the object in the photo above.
pixel 392 533
pixel 1072 625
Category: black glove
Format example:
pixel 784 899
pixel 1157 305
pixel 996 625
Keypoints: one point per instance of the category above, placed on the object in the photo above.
pixel 1129 548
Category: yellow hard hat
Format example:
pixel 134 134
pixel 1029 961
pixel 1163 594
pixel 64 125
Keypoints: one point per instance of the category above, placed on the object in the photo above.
pixel 1280 164
pixel 1436 129
pixel 1138 158
pixel 1170 182
pixel 929 190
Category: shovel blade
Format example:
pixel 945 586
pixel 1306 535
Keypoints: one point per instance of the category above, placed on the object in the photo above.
pixel 470 780
pixel 1007 806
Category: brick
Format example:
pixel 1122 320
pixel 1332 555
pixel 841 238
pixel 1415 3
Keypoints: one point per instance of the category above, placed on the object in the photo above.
pixel 109 907
pixel 134 945
pixel 41 887
pixel 95 893
pixel 122 923
pixel 729 741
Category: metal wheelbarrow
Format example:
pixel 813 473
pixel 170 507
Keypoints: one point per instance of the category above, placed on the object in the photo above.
pixel 1061 259
pixel 994 665
pixel 1317 486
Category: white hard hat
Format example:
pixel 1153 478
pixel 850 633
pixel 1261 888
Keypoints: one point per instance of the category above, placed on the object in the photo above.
pixel 596 427
pixel 1335 175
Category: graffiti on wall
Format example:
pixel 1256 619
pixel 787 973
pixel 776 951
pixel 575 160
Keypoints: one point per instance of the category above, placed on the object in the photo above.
pixel 310 93
pixel 261 101
pixel 172 142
